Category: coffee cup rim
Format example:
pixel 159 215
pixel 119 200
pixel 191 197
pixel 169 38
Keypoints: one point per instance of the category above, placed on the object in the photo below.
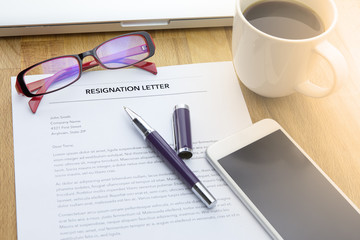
pixel 317 37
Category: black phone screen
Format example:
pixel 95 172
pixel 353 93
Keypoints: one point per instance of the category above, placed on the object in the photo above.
pixel 297 200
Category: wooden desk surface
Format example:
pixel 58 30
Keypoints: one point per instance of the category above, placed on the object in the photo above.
pixel 328 128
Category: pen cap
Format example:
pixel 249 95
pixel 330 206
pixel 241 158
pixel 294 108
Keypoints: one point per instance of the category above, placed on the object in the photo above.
pixel 182 131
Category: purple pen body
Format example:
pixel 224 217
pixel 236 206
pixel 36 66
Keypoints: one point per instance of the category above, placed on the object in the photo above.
pixel 163 149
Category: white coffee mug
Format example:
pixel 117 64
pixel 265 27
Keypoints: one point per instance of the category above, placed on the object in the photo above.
pixel 275 67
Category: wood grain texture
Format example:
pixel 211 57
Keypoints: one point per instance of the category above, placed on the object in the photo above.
pixel 328 128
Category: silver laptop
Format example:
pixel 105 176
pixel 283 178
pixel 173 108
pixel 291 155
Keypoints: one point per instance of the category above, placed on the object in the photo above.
pixel 24 17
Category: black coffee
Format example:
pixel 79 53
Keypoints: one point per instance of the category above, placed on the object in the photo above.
pixel 284 19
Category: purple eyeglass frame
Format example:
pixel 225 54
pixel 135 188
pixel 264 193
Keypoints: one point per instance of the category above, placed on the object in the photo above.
pixel 43 84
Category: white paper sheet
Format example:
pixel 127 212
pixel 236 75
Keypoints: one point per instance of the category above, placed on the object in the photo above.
pixel 84 172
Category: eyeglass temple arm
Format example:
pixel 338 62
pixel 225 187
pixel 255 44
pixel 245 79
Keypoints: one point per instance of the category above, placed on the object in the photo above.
pixel 147 66
pixel 43 86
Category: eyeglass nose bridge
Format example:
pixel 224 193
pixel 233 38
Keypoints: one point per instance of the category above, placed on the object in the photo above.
pixel 86 54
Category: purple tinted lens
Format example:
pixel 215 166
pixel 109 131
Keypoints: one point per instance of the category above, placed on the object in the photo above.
pixel 123 51
pixel 52 75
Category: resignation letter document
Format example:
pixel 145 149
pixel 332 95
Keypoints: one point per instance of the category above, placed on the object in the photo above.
pixel 82 170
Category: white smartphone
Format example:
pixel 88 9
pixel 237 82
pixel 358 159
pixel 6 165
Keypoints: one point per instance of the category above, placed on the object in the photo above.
pixel 282 186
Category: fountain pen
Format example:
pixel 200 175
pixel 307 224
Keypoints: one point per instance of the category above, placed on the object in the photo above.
pixel 169 156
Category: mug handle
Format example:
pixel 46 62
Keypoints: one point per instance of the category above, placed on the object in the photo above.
pixel 338 65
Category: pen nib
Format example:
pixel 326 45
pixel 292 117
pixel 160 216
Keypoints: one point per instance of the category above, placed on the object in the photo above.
pixel 141 125
pixel 131 114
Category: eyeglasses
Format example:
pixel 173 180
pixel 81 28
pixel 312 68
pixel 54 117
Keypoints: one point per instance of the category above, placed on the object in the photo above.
pixel 57 73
